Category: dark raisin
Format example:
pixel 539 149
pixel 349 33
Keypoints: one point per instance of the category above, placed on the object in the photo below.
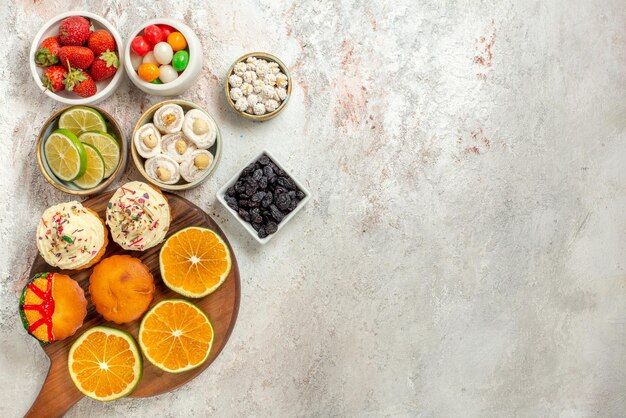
pixel 240 188
pixel 283 201
pixel 276 213
pixel 261 233
pixel 230 191
pixel 279 190
pixel 242 202
pixel 244 215
pixel 300 195
pixel 264 160
pixel 292 205
pixel 270 228
pixel 258 196
pixel 263 182
pixel 256 226
pixel 267 200
pixel 251 189
pixel 268 171
pixel 272 180
pixel 232 202
pixel 292 194
pixel 253 204
pixel 255 216
pixel 248 170
pixel 258 173
pixel 286 183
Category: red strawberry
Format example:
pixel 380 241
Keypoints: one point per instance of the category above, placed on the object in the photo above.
pixel 48 52
pixel 74 30
pixel 76 57
pixel 101 41
pixel 53 78
pixel 105 66
pixel 80 83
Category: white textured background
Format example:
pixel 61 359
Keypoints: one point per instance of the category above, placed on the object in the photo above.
pixel 463 254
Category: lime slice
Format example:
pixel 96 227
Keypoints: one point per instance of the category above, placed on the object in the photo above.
pixel 65 155
pixel 107 146
pixel 95 169
pixel 79 119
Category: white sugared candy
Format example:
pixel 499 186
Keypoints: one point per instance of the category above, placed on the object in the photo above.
pixel 268 92
pixel 235 81
pixel 249 77
pixel 246 89
pixel 241 104
pixel 235 94
pixel 253 99
pixel 167 73
pixel 281 80
pixel 258 86
pixel 281 92
pixel 163 53
pixel 259 109
pixel 239 68
pixel 270 79
pixel 270 105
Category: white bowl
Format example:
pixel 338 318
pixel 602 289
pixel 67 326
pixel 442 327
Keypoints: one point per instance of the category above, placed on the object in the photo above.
pixel 222 192
pixel 105 87
pixel 189 75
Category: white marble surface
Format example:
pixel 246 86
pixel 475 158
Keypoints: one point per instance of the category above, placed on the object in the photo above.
pixel 464 250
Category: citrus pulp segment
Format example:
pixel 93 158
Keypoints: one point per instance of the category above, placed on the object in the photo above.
pixel 94 173
pixel 65 155
pixel 79 119
pixel 107 146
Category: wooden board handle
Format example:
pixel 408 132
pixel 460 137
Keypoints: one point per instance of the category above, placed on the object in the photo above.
pixel 54 398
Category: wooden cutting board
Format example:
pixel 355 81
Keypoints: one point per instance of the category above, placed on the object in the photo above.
pixel 58 392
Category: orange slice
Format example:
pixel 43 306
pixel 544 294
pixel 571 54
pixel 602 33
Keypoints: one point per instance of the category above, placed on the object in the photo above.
pixel 105 363
pixel 194 262
pixel 176 336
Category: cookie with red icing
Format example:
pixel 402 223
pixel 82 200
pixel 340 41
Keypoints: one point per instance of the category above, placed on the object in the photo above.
pixel 53 307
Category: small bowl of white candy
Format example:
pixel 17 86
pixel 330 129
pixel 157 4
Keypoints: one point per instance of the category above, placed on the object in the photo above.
pixel 176 145
pixel 258 86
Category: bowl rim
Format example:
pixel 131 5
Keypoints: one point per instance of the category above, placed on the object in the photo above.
pixel 283 67
pixel 107 182
pixel 181 27
pixel 246 225
pixel 113 83
pixel 138 160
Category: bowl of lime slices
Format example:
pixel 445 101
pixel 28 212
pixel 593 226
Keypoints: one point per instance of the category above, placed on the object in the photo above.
pixel 81 150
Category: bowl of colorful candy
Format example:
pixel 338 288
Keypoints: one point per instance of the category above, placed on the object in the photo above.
pixel 75 58
pixel 163 57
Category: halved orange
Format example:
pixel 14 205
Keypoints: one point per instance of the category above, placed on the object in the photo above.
pixel 105 363
pixel 194 262
pixel 176 336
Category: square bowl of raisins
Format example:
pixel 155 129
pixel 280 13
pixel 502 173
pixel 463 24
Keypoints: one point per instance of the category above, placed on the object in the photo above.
pixel 263 197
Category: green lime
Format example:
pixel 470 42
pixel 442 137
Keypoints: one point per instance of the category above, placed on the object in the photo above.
pixel 79 119
pixel 107 146
pixel 95 169
pixel 65 155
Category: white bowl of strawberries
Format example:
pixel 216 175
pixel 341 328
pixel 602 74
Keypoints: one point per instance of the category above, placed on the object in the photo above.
pixel 75 58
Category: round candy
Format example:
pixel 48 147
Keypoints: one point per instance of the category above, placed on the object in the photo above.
pixel 154 34
pixel 166 29
pixel 156 81
pixel 149 57
pixel 148 71
pixel 135 60
pixel 163 53
pixel 140 45
pixel 180 60
pixel 167 74
pixel 177 41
